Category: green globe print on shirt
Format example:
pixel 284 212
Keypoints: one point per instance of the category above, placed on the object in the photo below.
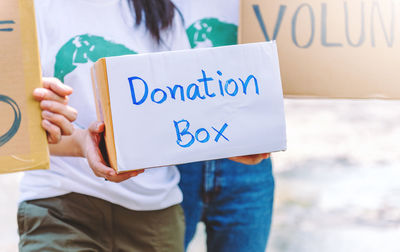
pixel 211 32
pixel 85 48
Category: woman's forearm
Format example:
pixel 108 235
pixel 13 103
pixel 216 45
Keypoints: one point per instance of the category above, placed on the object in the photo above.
pixel 69 145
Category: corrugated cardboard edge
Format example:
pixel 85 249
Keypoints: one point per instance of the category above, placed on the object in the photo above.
pixel 39 156
pixel 103 108
pixel 240 28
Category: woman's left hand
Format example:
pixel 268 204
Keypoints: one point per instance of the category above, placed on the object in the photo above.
pixel 251 159
pixel 90 150
pixel 57 115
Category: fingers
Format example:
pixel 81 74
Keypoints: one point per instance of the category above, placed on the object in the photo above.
pixel 57 86
pixel 98 166
pixel 53 132
pixel 256 159
pixel 96 162
pixel 247 160
pixel 96 127
pixel 57 116
pixel 58 108
pixel 53 90
pixel 123 176
pixel 41 94
pixel 65 127
pixel 251 159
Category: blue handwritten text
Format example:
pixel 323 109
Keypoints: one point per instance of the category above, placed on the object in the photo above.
pixel 6 22
pixel 205 87
pixel 186 139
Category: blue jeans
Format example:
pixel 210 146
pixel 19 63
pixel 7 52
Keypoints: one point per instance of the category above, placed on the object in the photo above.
pixel 233 200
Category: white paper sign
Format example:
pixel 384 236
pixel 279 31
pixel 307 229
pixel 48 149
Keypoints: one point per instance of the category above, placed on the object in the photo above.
pixel 185 106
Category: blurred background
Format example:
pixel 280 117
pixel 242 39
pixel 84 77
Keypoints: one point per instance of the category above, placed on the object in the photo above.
pixel 337 185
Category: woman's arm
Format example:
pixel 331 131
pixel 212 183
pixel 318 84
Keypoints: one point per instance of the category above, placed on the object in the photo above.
pixel 85 143
pixel 69 145
pixel 57 121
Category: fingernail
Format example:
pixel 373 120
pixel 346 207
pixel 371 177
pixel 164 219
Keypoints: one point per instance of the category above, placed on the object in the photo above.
pixel 68 88
pixel 39 92
pixel 47 123
pixel 111 173
pixel 45 103
pixel 98 124
pixel 46 114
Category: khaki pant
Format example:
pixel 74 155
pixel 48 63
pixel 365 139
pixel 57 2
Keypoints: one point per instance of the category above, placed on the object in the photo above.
pixel 76 222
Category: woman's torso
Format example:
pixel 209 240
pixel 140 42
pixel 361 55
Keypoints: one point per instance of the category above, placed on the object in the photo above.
pixel 72 35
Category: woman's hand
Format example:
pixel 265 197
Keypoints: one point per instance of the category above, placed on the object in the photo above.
pixel 251 159
pixel 90 150
pixel 57 115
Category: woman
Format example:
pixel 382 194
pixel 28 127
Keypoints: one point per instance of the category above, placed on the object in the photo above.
pixel 74 206
pixel 233 199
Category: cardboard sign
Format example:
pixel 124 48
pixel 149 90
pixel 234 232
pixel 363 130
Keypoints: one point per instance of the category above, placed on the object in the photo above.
pixel 184 106
pixel 23 143
pixel 330 49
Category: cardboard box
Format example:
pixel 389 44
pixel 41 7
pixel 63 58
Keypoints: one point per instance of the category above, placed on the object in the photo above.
pixel 23 143
pixel 330 49
pixel 185 106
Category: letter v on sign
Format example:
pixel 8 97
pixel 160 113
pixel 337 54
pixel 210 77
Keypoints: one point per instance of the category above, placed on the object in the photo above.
pixel 278 23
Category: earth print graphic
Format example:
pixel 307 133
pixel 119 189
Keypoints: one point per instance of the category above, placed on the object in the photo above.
pixel 211 32
pixel 85 48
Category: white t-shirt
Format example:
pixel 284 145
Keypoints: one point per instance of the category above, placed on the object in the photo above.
pixel 72 35
pixel 210 22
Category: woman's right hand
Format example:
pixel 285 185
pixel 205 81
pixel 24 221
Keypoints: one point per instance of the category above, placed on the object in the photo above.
pixel 57 116
pixel 90 150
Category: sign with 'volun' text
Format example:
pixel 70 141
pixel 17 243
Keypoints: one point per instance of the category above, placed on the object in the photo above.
pixel 185 106
pixel 329 48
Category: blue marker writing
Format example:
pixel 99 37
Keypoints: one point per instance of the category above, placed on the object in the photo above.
pixel 17 119
pixel 202 135
pixel 202 90
pixel 184 132
pixel 6 22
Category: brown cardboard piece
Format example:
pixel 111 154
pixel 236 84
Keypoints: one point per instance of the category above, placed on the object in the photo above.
pixel 103 110
pixel 195 119
pixel 23 143
pixel 330 49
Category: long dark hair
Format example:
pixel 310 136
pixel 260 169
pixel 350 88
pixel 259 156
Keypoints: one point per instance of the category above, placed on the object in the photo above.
pixel 157 14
